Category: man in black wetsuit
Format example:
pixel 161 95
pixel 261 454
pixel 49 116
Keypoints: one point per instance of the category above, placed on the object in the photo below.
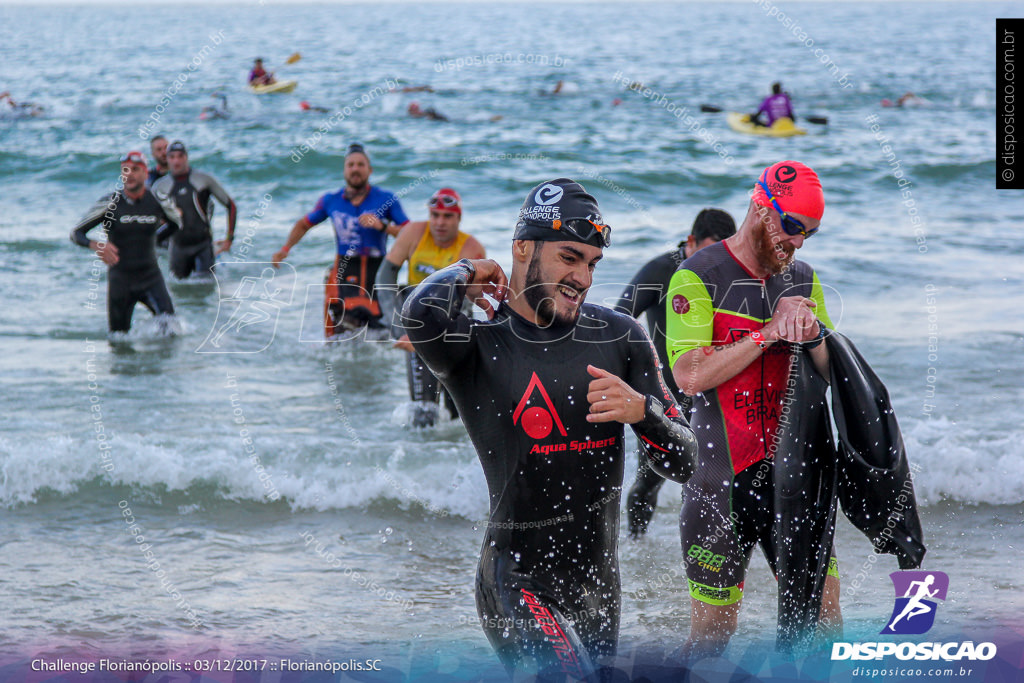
pixel 194 191
pixel 158 148
pixel 544 388
pixel 132 219
pixel 646 293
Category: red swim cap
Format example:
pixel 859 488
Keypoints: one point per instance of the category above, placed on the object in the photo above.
pixel 446 199
pixel 134 157
pixel 795 187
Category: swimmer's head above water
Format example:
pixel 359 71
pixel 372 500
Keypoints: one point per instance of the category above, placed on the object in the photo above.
pixel 559 238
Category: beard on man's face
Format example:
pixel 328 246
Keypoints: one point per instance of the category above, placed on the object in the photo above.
pixel 356 182
pixel 773 257
pixel 541 294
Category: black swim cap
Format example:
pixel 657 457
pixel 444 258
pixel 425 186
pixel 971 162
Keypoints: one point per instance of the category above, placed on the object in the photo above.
pixel 561 210
pixel 713 223
pixel 177 146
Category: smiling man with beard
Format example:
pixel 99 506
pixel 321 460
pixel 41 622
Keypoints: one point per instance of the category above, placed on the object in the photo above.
pixel 737 311
pixel 363 216
pixel 545 387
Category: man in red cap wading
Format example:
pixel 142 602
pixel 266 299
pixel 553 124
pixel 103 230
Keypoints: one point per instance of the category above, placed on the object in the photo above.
pixel 736 311
pixel 428 246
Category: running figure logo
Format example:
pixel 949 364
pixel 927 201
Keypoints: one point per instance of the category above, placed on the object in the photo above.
pixel 247 320
pixel 916 595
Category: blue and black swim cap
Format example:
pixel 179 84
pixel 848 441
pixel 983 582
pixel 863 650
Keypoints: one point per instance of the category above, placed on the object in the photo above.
pixel 561 210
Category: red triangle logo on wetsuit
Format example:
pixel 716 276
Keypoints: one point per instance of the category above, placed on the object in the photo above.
pixel 536 421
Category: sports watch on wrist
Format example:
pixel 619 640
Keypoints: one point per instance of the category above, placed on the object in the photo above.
pixel 817 340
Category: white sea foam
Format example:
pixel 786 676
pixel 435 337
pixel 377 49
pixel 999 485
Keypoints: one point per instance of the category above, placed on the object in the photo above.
pixel 965 465
pixel 442 476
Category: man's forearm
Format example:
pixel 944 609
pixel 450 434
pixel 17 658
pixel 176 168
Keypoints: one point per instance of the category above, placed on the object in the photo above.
pixel 232 218
pixel 437 300
pixel 819 355
pixel 387 295
pixel 669 444
pixel 708 366
pixel 431 312
pixel 297 232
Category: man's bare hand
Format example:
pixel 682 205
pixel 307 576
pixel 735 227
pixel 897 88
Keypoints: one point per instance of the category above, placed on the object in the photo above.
pixel 490 279
pixel 371 220
pixel 107 252
pixel 793 320
pixel 611 399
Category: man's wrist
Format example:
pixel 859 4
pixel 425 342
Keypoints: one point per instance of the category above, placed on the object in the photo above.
pixel 760 339
pixel 814 343
pixel 466 263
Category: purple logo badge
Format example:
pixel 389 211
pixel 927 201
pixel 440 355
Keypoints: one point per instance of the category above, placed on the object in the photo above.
pixel 917 594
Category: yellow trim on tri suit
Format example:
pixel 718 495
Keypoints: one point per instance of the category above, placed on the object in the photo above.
pixel 428 257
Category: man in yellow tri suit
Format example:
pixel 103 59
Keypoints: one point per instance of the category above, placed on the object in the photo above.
pixel 428 246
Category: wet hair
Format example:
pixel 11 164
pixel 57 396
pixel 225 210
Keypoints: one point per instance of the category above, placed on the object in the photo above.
pixel 713 223
pixel 155 138
pixel 776 88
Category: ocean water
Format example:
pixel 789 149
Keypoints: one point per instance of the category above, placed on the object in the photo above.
pixel 274 480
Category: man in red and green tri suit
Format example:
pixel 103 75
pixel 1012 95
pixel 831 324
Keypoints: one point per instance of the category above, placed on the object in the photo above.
pixel 736 312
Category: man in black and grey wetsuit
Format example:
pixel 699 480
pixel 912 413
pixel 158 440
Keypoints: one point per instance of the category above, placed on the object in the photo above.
pixel 193 191
pixel 157 148
pixel 544 388
pixel 646 293
pixel 132 219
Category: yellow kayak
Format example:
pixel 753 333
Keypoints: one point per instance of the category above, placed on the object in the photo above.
pixel 275 87
pixel 782 128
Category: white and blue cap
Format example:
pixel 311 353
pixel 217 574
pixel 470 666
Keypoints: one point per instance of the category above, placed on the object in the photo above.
pixel 561 210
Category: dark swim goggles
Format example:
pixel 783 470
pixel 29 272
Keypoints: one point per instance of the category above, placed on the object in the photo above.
pixel 790 225
pixel 585 230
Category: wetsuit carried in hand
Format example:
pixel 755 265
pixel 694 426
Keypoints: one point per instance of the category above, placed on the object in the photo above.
pixel 192 247
pixel 351 299
pixel 133 226
pixel 646 293
pixel 548 580
pixel 714 301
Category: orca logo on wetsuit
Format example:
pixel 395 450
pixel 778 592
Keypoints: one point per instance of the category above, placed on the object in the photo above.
pixel 536 421
pixel 785 174
pixel 138 219
pixel 547 195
